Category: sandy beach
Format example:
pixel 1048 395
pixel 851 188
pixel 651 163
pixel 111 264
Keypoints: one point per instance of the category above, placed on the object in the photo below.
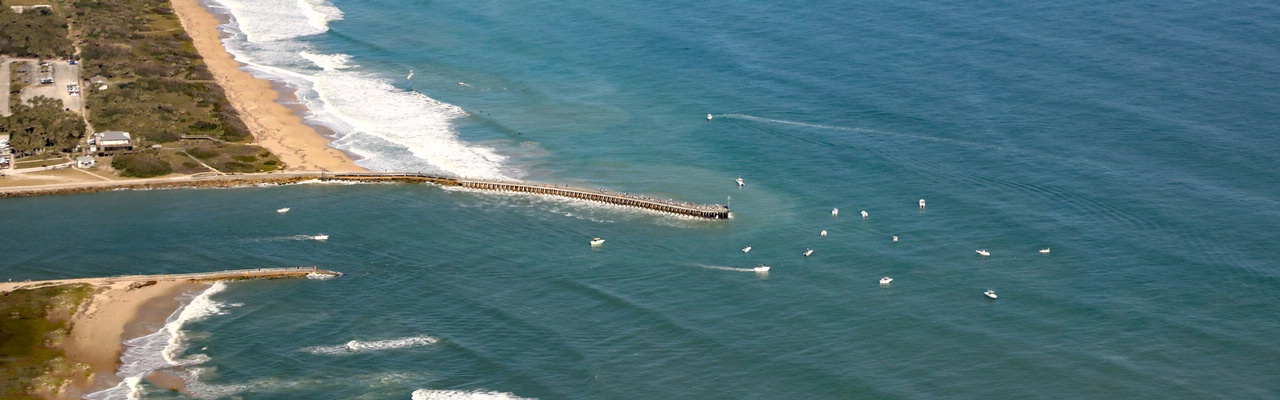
pixel 98 329
pixel 274 125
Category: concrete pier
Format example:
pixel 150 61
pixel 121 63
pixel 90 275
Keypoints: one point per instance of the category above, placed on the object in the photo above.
pixel 233 180
pixel 622 199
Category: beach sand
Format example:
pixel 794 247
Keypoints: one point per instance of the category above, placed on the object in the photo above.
pixel 274 125
pixel 98 330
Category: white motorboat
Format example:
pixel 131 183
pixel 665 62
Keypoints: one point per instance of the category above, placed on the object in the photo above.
pixel 1044 250
pixel 410 75
pixel 823 233
pixel 921 203
pixel 835 212
pixel 989 293
pixel 283 210
pixel 597 241
pixel 761 268
pixel 983 252
pixel 885 280
pixel 895 238
pixel 864 214
pixel 741 183
pixel 808 252
pixel 321 237
pixel 709 117
pixel 746 249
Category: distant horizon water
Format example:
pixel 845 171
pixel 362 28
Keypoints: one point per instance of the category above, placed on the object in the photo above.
pixel 1136 140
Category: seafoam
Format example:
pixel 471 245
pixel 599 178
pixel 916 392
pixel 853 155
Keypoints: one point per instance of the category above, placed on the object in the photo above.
pixel 387 128
pixel 427 394
pixel 361 346
pixel 164 348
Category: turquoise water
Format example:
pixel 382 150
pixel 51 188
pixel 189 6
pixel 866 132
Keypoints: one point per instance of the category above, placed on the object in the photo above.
pixel 1135 140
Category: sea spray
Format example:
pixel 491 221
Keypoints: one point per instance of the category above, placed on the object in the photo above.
pixel 162 349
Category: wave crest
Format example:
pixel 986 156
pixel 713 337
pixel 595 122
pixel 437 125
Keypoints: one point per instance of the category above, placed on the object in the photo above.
pixel 358 346
pixel 427 394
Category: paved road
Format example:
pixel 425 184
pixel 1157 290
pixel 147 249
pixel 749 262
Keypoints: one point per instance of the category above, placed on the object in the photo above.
pixel 4 85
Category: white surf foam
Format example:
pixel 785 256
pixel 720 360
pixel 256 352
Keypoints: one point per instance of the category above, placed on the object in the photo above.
pixel 162 349
pixel 320 277
pixel 387 128
pixel 358 346
pixel 384 124
pixel 269 21
pixel 428 394
pixel 329 62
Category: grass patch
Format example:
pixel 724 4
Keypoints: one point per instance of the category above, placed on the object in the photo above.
pixel 235 157
pixel 142 165
pixel 33 324
pixel 38 161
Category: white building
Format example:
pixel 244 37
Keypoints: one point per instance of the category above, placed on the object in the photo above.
pixel 85 162
pixel 110 141
pixel 6 159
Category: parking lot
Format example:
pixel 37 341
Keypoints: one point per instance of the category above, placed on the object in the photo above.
pixel 63 75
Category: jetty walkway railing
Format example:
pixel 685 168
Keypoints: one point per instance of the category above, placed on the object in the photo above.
pixel 709 211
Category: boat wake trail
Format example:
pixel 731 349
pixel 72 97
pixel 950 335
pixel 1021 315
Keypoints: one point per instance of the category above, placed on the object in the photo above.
pixel 358 346
pixel 850 129
pixel 722 268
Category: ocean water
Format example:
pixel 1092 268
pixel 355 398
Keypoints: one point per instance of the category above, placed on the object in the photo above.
pixel 1136 140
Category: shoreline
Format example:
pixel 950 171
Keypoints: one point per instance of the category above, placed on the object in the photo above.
pixel 112 316
pixel 260 102
pixel 128 307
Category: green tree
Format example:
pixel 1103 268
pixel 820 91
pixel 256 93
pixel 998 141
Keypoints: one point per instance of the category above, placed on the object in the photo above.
pixel 43 125
pixel 35 33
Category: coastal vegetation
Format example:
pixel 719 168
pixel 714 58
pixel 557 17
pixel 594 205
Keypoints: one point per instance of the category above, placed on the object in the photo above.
pixel 33 324
pixel 39 33
pixel 42 124
pixel 159 88
pixel 142 165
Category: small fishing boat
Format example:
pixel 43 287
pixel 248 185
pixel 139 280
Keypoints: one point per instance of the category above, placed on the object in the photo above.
pixel 761 268
pixel 989 293
pixel 709 117
pixel 823 233
pixel 865 214
pixel 741 183
pixel 321 237
pixel 1044 250
pixel 835 212
pixel 885 281
pixel 808 252
pixel 921 203
pixel 597 241
pixel 983 252
pixel 283 210
pixel 895 238
pixel 746 249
